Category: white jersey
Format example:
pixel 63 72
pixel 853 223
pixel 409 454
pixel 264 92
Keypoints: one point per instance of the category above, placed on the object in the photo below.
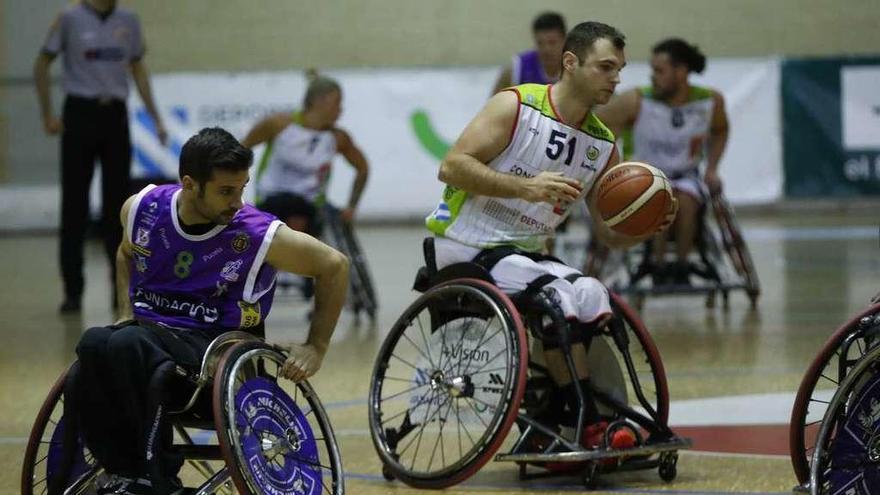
pixel 673 139
pixel 539 142
pixel 297 161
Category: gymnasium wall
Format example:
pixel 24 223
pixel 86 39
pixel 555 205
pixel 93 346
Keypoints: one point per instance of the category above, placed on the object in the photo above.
pixel 290 34
pixel 355 40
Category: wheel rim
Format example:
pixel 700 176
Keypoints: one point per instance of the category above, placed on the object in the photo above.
pixel 847 443
pixel 43 458
pixel 817 388
pixel 443 392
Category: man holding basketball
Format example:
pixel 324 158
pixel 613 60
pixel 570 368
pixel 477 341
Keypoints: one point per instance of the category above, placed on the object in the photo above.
pixel 676 127
pixel 513 176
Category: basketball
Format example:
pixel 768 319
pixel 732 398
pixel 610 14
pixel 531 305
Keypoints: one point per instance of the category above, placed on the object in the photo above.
pixel 634 198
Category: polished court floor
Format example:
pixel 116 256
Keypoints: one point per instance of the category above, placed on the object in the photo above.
pixel 732 373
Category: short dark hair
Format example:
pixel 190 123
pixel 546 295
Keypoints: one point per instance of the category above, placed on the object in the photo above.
pixel 211 149
pixel 581 38
pixel 682 53
pixel 547 21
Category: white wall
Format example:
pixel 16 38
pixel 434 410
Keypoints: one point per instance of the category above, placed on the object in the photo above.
pixel 378 109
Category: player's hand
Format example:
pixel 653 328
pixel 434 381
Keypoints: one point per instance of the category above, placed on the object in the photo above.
pixel 302 362
pixel 670 216
pixel 347 215
pixel 713 182
pixel 52 125
pixel 551 187
pixel 162 134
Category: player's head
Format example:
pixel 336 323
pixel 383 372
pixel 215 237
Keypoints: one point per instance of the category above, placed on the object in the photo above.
pixel 323 98
pixel 592 59
pixel 671 62
pixel 213 172
pixel 548 30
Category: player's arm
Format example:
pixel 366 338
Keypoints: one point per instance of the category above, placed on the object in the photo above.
pixel 606 235
pixel 718 132
pixel 505 79
pixel 620 112
pixel 300 253
pixel 346 147
pixel 485 137
pixel 266 129
pixel 123 268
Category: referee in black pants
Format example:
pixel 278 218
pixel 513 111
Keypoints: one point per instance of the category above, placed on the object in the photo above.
pixel 99 43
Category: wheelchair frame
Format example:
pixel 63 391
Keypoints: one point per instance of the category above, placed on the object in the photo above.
pixel 724 263
pixel 224 356
pixel 466 280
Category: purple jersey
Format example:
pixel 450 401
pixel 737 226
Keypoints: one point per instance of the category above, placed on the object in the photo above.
pixel 214 281
pixel 527 68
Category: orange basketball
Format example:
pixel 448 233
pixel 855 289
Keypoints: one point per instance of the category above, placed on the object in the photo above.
pixel 634 198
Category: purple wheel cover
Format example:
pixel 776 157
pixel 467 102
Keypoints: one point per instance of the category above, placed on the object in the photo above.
pixel 854 467
pixel 277 441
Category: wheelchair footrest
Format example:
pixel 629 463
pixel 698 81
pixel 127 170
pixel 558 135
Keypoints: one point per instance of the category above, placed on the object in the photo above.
pixel 591 455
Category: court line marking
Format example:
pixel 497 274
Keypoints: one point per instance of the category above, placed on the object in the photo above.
pixel 529 486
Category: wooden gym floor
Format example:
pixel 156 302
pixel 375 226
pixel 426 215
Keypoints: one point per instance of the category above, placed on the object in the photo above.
pixel 732 374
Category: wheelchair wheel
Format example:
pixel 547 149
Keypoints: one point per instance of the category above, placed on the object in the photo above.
pixel 736 247
pixel 48 466
pixel 448 383
pixel 846 346
pixel 363 293
pixel 640 360
pixel 848 443
pixel 274 435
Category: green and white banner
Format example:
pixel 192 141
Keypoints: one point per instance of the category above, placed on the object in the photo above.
pixel 831 127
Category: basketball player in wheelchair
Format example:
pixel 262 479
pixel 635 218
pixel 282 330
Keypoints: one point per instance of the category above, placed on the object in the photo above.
pixel 679 128
pixel 293 175
pixel 196 275
pixel 460 353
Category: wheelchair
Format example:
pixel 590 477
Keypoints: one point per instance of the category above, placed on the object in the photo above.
pixel 834 436
pixel 455 374
pixel 272 436
pixel 720 262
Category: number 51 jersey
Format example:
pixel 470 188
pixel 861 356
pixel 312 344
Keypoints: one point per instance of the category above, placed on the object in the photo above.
pixel 539 142
pixel 214 281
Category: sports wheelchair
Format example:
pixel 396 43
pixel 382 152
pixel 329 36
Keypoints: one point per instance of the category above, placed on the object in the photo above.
pixel 720 261
pixel 273 436
pixel 834 435
pixel 455 373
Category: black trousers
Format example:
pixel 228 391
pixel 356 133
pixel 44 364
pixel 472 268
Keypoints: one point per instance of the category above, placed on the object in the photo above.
pixel 121 391
pixel 92 131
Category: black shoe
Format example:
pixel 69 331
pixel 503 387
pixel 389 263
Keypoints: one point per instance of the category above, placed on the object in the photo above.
pixel 681 273
pixel 70 305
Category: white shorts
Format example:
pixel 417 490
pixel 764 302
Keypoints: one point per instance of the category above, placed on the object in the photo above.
pixel 692 186
pixel 585 300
